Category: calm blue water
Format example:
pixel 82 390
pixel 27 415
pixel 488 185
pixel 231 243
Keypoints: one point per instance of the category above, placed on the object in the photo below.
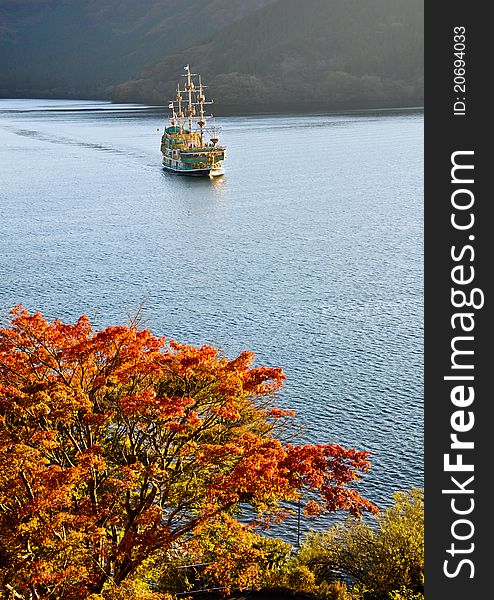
pixel 308 251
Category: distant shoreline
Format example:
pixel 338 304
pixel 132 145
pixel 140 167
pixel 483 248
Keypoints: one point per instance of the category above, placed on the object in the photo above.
pixel 240 111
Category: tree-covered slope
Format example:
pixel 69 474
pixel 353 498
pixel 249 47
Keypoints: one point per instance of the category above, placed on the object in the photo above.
pixel 326 53
pixel 272 54
pixel 82 48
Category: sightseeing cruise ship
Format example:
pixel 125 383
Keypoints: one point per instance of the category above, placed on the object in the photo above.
pixel 188 147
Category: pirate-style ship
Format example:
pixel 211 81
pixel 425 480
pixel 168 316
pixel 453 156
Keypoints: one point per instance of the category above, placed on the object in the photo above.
pixel 189 148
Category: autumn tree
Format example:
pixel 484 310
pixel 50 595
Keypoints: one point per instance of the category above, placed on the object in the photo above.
pixel 222 553
pixel 115 444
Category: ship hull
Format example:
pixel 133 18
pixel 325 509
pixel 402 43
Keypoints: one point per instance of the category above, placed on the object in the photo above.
pixel 209 172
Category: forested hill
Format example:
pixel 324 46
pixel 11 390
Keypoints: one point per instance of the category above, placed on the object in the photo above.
pixel 254 54
pixel 303 54
pixel 81 48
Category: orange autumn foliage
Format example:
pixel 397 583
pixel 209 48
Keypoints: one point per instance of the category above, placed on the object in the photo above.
pixel 114 444
pixel 223 553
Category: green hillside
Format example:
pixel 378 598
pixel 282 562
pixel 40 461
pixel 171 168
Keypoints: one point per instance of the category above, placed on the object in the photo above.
pixel 81 48
pixel 316 53
pixel 255 54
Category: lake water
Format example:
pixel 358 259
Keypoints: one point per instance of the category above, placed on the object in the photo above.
pixel 308 251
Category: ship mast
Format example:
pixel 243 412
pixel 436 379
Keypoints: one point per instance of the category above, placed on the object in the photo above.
pixel 180 111
pixel 201 99
pixel 189 87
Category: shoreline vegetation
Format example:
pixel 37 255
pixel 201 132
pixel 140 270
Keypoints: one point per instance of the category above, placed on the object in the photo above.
pixel 138 468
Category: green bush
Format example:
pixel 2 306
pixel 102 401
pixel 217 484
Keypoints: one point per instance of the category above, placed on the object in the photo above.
pixel 405 594
pixel 129 590
pixel 385 561
pixel 297 578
